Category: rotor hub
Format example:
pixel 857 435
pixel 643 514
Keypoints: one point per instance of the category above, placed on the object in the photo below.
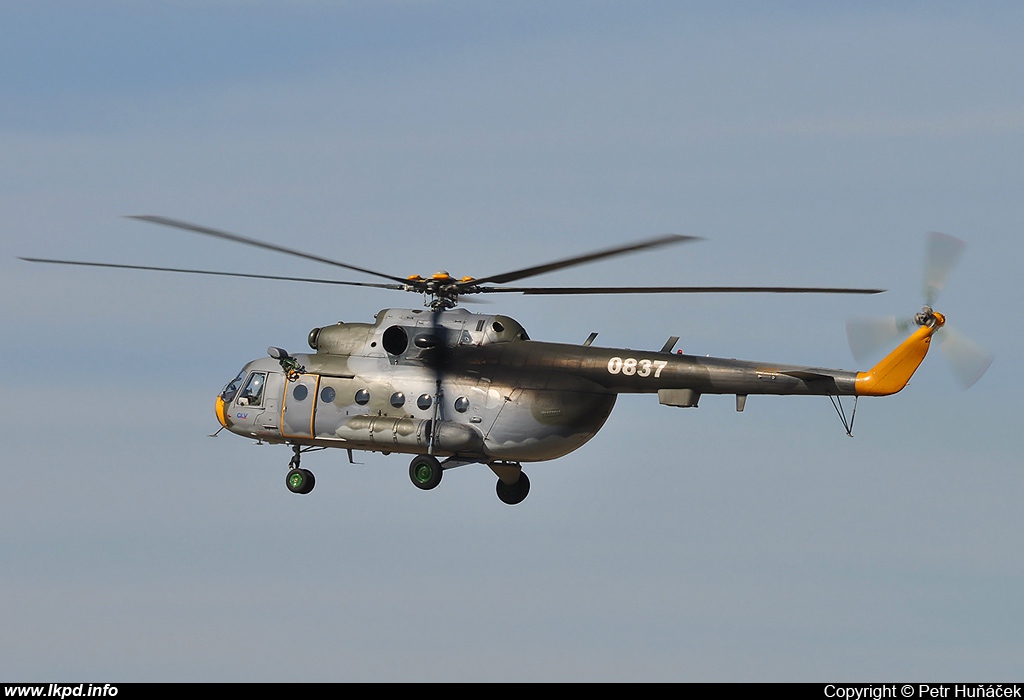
pixel 441 290
pixel 929 317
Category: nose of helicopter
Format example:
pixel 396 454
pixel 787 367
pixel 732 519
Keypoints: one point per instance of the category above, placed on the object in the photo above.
pixel 219 407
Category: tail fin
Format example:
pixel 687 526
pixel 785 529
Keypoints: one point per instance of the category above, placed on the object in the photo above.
pixel 893 372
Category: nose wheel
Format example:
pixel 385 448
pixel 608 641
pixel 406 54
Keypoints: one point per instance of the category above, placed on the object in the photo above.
pixel 298 480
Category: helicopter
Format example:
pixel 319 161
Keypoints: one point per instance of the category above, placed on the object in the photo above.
pixel 455 388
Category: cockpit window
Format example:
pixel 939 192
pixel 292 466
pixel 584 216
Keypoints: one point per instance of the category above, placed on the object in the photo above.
pixel 252 394
pixel 231 390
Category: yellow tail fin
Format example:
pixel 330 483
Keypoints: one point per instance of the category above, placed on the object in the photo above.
pixel 894 370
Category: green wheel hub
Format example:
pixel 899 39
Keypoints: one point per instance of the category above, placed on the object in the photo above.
pixel 425 472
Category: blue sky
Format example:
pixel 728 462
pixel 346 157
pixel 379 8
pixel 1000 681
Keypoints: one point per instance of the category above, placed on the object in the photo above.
pixel 808 143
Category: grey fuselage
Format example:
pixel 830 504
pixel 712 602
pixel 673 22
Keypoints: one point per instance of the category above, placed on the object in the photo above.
pixel 474 387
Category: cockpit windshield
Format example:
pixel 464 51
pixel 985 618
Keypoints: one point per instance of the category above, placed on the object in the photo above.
pixel 231 390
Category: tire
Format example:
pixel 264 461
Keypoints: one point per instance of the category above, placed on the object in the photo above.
pixel 300 480
pixel 425 472
pixel 310 481
pixel 513 494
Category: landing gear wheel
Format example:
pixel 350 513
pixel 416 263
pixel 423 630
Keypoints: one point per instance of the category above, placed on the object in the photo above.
pixel 300 480
pixel 513 494
pixel 425 472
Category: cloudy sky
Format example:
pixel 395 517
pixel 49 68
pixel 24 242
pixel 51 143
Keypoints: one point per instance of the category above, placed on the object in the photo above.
pixel 808 143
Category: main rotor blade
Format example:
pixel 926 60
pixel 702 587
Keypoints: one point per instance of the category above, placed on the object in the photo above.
pixel 683 290
pixel 214 273
pixel 578 260
pixel 943 252
pixel 174 223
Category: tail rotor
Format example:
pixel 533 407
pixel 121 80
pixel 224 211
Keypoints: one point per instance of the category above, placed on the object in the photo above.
pixel 943 253
pixel 967 360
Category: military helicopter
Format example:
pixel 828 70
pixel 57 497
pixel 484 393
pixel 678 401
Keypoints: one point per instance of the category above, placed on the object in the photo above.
pixel 454 388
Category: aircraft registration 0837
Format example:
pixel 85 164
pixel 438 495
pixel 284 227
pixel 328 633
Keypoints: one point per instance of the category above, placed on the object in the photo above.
pixel 454 388
pixel 641 368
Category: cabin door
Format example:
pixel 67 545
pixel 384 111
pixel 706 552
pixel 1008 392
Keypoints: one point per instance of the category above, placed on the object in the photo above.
pixel 299 406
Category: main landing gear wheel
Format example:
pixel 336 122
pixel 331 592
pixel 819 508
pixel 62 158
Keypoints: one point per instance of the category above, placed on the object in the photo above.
pixel 425 472
pixel 300 480
pixel 513 494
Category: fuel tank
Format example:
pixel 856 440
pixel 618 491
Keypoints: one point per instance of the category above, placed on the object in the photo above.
pixel 411 435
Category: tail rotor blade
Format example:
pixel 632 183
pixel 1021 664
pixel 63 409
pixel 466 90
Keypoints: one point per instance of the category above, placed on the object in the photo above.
pixel 943 253
pixel 968 360
pixel 869 336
